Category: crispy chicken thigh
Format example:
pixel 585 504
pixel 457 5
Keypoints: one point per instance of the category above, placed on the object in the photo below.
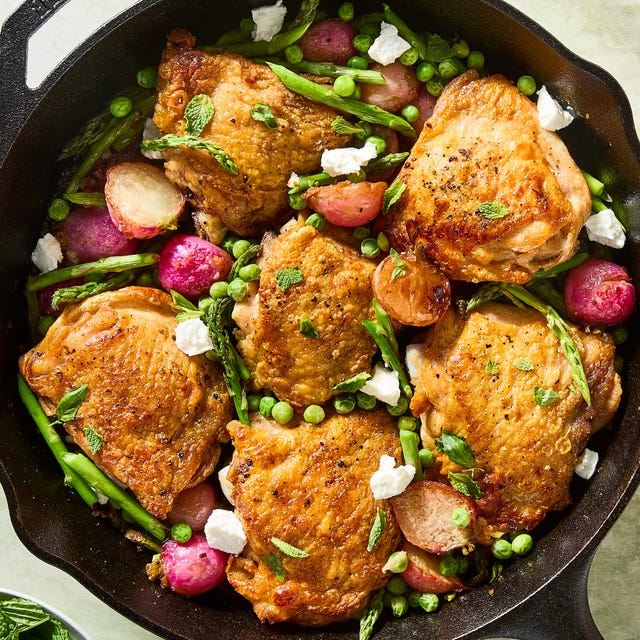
pixel 334 294
pixel 160 413
pixel 527 452
pixel 308 485
pixel 491 195
pixel 256 197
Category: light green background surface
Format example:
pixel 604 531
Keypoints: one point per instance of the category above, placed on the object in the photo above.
pixel 607 33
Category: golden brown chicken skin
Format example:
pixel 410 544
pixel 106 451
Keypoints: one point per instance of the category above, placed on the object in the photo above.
pixel 527 452
pixel 256 197
pixel 308 485
pixel 491 195
pixel 161 414
pixel 334 294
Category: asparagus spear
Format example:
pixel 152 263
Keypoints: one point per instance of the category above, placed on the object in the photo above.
pixel 82 291
pixel 325 95
pixel 112 264
pixel 405 32
pixel 330 70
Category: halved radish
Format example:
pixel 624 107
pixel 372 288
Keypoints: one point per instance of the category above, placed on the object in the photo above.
pixel 423 572
pixel 347 204
pixel 142 201
pixel 424 513
pixel 401 87
pixel 193 506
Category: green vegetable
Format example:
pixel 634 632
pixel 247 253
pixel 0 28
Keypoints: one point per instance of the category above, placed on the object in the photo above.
pixel 266 406
pixel 575 261
pixel 369 248
pixel 527 85
pixel 330 70
pixel 492 210
pixel 362 42
pixel 465 484
pixel 288 549
pixel 358 62
pixel 181 532
pixel 282 412
pixel 377 529
pixel 244 252
pixel 460 49
pixel 253 401
pixel 449 565
pixel 501 549
pixel 96 199
pixel 198 113
pixel 361 232
pixel 371 615
pixel 544 397
pixel 405 32
pixel 307 328
pixel 429 602
pixel 397 562
pixel 171 141
pixel 324 95
pixel 409 440
pixel 408 423
pixel 392 194
pixel 448 69
pixel 400 408
pixel 426 457
pixel 438 49
pixel 345 11
pixel 147 77
pixel 274 562
pixel 492 367
pixel 409 57
pixel 59 209
pixel 460 518
pixel 456 449
pixel 314 414
pixel 286 278
pixel 237 289
pixel 383 242
pixel 434 87
pixel 365 401
pixel 344 86
pixel 120 107
pixel 22 618
pixel 523 364
pixel 399 606
pixel 250 272
pixel 316 221
pixel 475 60
pixel 595 186
pixel 397 586
pixel 344 404
pixel 262 113
pixel 239 247
pixel 425 71
pixel 522 544
pixel 75 293
pixel 410 112
pixel 293 54
pixel 379 143
pixel 94 440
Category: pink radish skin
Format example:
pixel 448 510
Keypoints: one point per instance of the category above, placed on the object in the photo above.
pixel 425 103
pixel 401 87
pixel 329 41
pixel 193 506
pixel 192 567
pixel 347 204
pixel 190 265
pixel 45 296
pixel 423 572
pixel 88 234
pixel 599 292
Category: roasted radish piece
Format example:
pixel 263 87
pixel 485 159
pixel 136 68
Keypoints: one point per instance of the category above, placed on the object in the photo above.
pixel 329 41
pixel 190 265
pixel 413 292
pixel 141 200
pixel 401 87
pixel 88 234
pixel 423 573
pixel 193 567
pixel 193 506
pixel 425 514
pixel 347 204
pixel 425 103
pixel 599 291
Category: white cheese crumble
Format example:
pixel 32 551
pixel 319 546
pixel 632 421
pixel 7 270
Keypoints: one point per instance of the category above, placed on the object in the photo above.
pixel 346 160
pixel 268 21
pixel 384 385
pixel 414 359
pixel 224 532
pixel 587 463
pixel 550 114
pixel 388 46
pixel 192 337
pixel 605 228
pixel 151 132
pixel 225 484
pixel 294 180
pixel 389 480
pixel 48 253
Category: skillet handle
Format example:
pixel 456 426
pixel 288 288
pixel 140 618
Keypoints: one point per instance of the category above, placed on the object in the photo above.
pixel 560 610
pixel 16 99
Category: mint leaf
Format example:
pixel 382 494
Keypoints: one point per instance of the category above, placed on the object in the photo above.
pixel 492 367
pixel 465 484
pixel 438 49
pixel 198 113
pixel 457 449
pixel 523 364
pixel 492 210
pixel 377 529
pixel 22 614
pixel 288 549
pixel 262 113
pixel 400 266
pixel 286 278
pixel 94 440
pixel 353 384
pixel 274 563
pixel 68 407
pixel 392 194
pixel 544 397
pixel 307 328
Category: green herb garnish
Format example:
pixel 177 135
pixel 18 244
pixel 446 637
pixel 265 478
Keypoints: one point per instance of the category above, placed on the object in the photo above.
pixel 274 562
pixel 544 397
pixel 523 364
pixel 86 199
pixel 456 448
pixel 492 367
pixel 492 210
pixel 399 265
pixel 392 194
pixel 353 384
pixel 377 529
pixel 198 113
pixel 465 484
pixel 286 278
pixel 288 549
pixel 262 113
pixel 307 328
pixel 94 440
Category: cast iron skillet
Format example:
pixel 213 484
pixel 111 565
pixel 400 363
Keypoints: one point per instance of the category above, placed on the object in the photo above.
pixel 542 598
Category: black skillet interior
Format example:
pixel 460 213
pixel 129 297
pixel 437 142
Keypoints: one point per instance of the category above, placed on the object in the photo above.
pixel 552 580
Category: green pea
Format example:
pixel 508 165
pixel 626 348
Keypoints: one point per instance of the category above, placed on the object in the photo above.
pixel 239 247
pixel 237 289
pixel 379 143
pixel 357 92
pixel 344 86
pixel 618 364
pixel 383 242
pixel 426 457
pixel 460 518
pixel 369 248
pixel 399 606
pixel 522 544
pixel 400 408
pixel 362 42
pixel 59 209
pixel 397 586
pixel 361 232
pixel 429 602
pixel 448 69
pixel 358 62
pixel 147 77
pixel 475 60
pixel 463 564
pixel 297 202
pixel 502 549
pixel 228 242
pixel 398 561
pixel 316 221
pixel 366 130
pixel 410 112
pixel 266 405
pixel 250 272
pixel 253 401
pixel 346 11
pixel 434 87
pixel 365 401
pixel 282 412
pixel 409 57
pixel 219 290
pixel 205 303
pixel 145 279
pixel 181 532
pixel 620 334
pixel 120 107
pixel 408 423
pixel 314 414
pixel 425 71
pixel 293 54
pixel 527 85
pixel 460 49
pixel 448 565
pixel 344 403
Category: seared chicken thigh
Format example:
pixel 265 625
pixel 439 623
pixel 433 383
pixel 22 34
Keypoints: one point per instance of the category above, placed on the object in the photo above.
pixel 490 195
pixel 308 485
pixel 479 379
pixel 160 413
pixel 256 197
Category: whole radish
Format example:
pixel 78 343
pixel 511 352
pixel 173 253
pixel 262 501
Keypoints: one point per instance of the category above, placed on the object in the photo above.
pixel 193 506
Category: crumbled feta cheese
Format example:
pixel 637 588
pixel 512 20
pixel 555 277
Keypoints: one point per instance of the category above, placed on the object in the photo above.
pixel 383 385
pixel 388 46
pixel 192 337
pixel 341 162
pixel 48 253
pixel 294 180
pixel 414 359
pixel 151 132
pixel 550 114
pixel 605 228
pixel 268 21
pixel 102 499
pixel 389 480
pixel 225 484
pixel 224 531
pixel 587 464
